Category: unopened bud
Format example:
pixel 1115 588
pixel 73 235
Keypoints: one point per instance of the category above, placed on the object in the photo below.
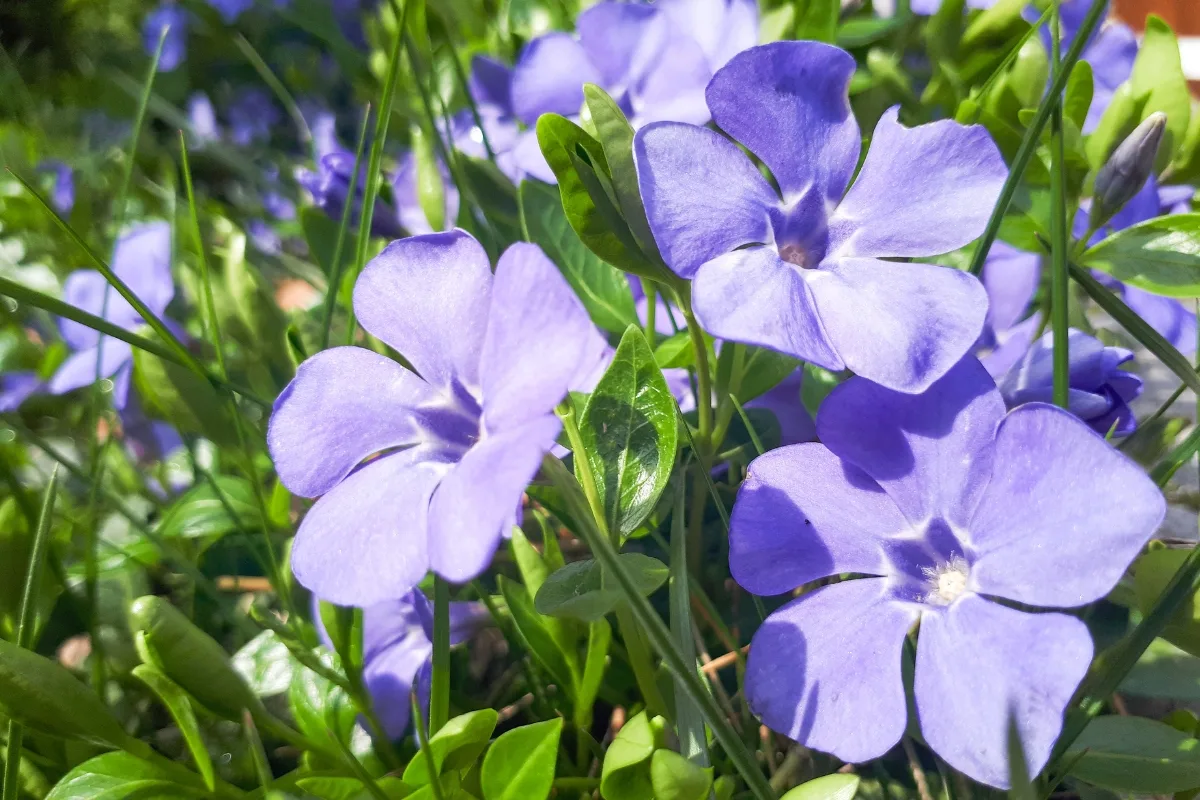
pixel 1127 169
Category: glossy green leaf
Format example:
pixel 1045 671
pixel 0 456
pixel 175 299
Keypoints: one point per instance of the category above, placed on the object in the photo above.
pixel 762 371
pixel 675 351
pixel 199 512
pixel 602 288
pixel 579 590
pixel 1133 754
pixel 829 787
pixel 1078 97
pixel 520 764
pixel 1158 76
pixel 265 664
pixel 44 696
pixel 1122 115
pixel 190 657
pixel 182 398
pixel 629 433
pixel 534 571
pixel 455 746
pixel 1151 574
pixel 673 777
pixel 431 189
pixel 625 774
pixel 1165 671
pixel 119 776
pixel 319 706
pixel 534 634
pixel 817 20
pixel 180 708
pixel 330 787
pixel 1160 255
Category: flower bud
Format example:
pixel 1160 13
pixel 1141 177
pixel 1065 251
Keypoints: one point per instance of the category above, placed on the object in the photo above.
pixel 1126 171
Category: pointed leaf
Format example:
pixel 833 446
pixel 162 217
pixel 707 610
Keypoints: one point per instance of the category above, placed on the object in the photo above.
pixel 579 590
pixel 180 707
pixel 520 764
pixel 1133 754
pixel 673 777
pixel 455 746
pixel 1160 255
pixel 830 787
pixel 118 776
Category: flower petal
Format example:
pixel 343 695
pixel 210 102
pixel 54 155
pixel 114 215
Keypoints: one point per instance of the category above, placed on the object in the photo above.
pixel 922 191
pixel 491 86
pixel 538 337
pixel 1175 321
pixel 978 665
pixel 1011 345
pixel 674 88
pixel 390 678
pixel 788 103
pixel 803 514
pixel 527 157
pixel 80 368
pixel 477 501
pixel 344 404
pixel 903 325
pixel 428 297
pixel 622 40
pixel 142 259
pixel 85 289
pixel 1011 278
pixel 755 297
pixel 795 424
pixel 549 77
pixel 722 28
pixel 825 670
pixel 932 452
pixel 703 196
pixel 1064 514
pixel 365 541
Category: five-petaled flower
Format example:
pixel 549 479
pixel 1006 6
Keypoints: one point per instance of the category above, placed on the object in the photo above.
pixel 425 470
pixel 802 274
pixel 954 510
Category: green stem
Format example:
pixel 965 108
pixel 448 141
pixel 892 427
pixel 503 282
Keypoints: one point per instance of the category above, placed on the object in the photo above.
pixel 689 720
pixel 583 468
pixel 1059 281
pixel 703 380
pixel 435 784
pixel 439 700
pixel 651 294
pixel 641 661
pixel 335 279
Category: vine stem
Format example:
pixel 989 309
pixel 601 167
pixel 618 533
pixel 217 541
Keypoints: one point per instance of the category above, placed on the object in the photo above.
pixel 439 700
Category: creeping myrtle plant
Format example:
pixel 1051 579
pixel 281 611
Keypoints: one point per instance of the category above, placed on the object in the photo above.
pixel 424 470
pixel 944 502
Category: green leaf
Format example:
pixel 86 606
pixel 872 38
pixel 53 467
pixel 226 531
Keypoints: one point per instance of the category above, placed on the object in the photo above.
pixel 190 657
pixel 534 571
pixel 829 787
pixel 817 19
pixel 520 764
pixel 1078 97
pixel 776 24
pixel 320 233
pixel 762 371
pixel 673 777
pixel 455 746
pixel 997 22
pixel 319 706
pixel 266 664
pixel 15 544
pixel 599 640
pixel 180 708
pixel 1122 115
pixel 615 135
pixel 1186 166
pixel 580 591
pixel 675 352
pixel 1158 76
pixel 629 434
pixel 1164 671
pixel 625 774
pixel 199 513
pixel 44 696
pixel 1151 574
pixel 816 386
pixel 602 288
pixel 1160 255
pixel 534 634
pixel 1133 754
pixel 182 398
pixel 119 776
pixel 431 190
pixel 330 787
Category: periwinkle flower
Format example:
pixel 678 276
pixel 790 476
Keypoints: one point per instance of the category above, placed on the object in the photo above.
pixel 1099 390
pixel 490 85
pixel 943 501
pixel 398 652
pixel 425 471
pixel 251 115
pixel 62 192
pixel 652 67
pixel 330 190
pixel 142 260
pixel 409 211
pixel 802 273
pixel 230 10
pixel 1011 278
pixel 174 49
pixel 203 118
pixel 15 387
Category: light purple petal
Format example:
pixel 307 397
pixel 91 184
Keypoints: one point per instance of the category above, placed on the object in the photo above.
pixel 15 387
pixel 622 41
pixel 932 452
pixel 788 103
pixel 1011 345
pixel 1011 278
pixel 1171 318
pixel 1049 532
pixel 549 77
pixel 1111 56
pixel 703 196
pixel 80 368
pixel 795 424
pixel 390 678
pixel 477 501
pixel 408 201
pixel 803 514
pixel 722 28
pixel 755 297
pixel 491 86
pixel 537 337
pixel 980 664
pixel 825 670
pixel 903 325
pixel 428 297
pixel 344 404
pixel 922 191
pixel 366 540
pixel 674 88
pixel 142 259
pixel 528 159
pixel 85 290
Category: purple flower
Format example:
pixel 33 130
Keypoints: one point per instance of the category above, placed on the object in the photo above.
pixel 408 203
pixel 330 188
pixel 1011 278
pixel 62 195
pixel 944 500
pixel 783 400
pixel 142 259
pixel 426 470
pixel 491 88
pixel 252 114
pixel 174 51
pixel 230 10
pixel 924 8
pixel 203 118
pixel 1100 391
pixel 398 652
pixel 652 68
pixel 802 274
pixel 15 387
pixel 147 439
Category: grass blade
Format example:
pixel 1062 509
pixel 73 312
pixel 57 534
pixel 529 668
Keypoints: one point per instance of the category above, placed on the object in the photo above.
pixel 335 280
pixel 688 718
pixel 276 86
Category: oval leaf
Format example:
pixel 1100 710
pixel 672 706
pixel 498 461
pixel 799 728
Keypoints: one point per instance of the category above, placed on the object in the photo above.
pixel 455 746
pixel 626 771
pixel 578 590
pixel 117 776
pixel 1133 754
pixel 829 787
pixel 520 764
pixel 1160 255
pixel 673 777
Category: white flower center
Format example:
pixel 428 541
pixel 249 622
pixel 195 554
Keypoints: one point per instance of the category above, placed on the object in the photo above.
pixel 946 581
